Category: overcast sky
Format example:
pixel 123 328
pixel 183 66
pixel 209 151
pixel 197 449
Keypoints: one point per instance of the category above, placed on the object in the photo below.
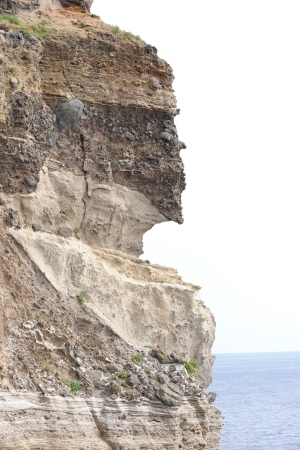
pixel 237 69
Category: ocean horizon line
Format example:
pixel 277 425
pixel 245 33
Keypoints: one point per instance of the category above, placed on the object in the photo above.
pixel 255 353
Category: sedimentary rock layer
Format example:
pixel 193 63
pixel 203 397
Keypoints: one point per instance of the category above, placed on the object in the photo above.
pixel 33 422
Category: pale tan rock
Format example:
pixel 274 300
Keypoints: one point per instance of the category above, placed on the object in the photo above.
pixel 126 295
pixel 96 424
pixel 112 217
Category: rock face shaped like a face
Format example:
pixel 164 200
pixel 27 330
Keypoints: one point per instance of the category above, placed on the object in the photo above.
pixel 89 161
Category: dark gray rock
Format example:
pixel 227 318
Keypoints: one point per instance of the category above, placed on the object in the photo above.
pixel 115 388
pixel 150 50
pixel 168 123
pixel 168 394
pixel 113 368
pixel 67 115
pixel 211 396
pixel 31 180
pixel 153 83
pixel 65 232
pixel 172 368
pixel 133 380
pixel 163 358
pixel 51 139
pixel 166 136
pixel 162 378
pixel 129 136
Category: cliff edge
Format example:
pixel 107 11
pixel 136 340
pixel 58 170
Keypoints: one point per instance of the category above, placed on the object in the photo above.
pixel 99 349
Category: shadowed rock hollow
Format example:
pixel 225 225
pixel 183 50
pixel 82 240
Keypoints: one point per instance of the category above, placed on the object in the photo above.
pixel 94 341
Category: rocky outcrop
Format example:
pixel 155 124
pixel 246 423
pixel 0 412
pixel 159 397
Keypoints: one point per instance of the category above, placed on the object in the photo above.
pixel 99 349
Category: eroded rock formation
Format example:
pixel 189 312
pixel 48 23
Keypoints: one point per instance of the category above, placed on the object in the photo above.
pixel 94 341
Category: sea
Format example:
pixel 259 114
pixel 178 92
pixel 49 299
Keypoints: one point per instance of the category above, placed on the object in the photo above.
pixel 259 395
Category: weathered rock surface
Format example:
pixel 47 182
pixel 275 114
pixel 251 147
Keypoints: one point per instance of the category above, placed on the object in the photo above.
pixel 90 424
pixel 93 341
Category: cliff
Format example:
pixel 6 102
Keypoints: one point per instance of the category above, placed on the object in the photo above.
pixel 96 344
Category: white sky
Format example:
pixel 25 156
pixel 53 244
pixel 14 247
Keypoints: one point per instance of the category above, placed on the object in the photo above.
pixel 237 69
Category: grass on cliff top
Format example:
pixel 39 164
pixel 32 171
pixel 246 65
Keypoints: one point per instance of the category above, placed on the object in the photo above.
pixel 125 34
pixel 40 29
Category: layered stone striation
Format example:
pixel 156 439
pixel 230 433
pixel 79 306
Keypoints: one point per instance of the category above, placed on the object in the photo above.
pixel 89 161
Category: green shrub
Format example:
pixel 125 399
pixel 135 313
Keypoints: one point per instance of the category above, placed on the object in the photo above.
pixel 75 386
pixel 116 29
pixel 47 367
pixel 123 374
pixel 138 357
pixel 80 298
pixel 64 211
pixel 191 366
pixel 94 16
pixel 125 385
pixel 147 261
pixel 77 230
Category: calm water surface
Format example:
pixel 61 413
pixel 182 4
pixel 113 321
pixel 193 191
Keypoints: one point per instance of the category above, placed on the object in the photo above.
pixel 259 395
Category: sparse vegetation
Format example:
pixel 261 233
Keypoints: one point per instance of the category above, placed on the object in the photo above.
pixel 75 386
pixel 125 34
pixel 9 18
pixel 125 385
pixel 47 367
pixel 77 230
pixel 116 29
pixel 80 298
pixel 132 36
pixel 64 211
pixel 147 346
pixel 138 357
pixel 40 30
pixel 94 16
pixel 123 374
pixel 11 70
pixel 191 366
pixel 147 261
